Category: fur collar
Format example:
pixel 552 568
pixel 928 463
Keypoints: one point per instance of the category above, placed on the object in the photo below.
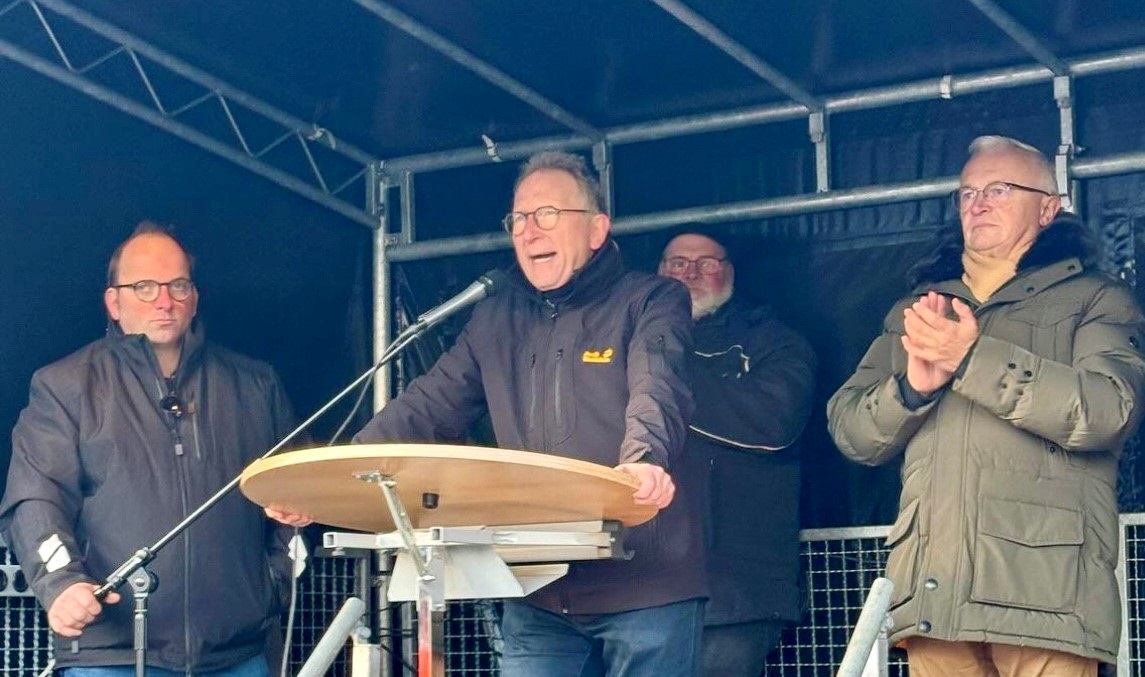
pixel 1065 238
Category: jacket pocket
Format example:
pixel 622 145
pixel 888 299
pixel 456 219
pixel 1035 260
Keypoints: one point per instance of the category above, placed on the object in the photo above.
pixel 1027 555
pixel 1047 329
pixel 902 562
pixel 1043 314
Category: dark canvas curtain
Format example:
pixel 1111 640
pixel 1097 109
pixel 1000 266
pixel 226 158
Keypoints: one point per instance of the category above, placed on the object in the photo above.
pixel 276 273
pixel 833 275
pixel 284 281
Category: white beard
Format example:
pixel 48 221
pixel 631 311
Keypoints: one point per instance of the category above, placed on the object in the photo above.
pixel 710 302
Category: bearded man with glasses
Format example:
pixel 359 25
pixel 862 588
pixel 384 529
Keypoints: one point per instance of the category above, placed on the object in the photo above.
pixel 1011 379
pixel 753 379
pixel 120 441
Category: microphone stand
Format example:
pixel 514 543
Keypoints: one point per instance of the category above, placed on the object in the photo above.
pixel 143 556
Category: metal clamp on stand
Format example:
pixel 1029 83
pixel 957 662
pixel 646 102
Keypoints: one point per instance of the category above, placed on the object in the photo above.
pixel 142 583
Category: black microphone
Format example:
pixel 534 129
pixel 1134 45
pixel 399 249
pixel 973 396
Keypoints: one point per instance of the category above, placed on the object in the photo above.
pixel 486 285
pixel 173 405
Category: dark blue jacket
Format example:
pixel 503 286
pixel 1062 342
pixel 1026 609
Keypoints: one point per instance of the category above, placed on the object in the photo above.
pixel 594 370
pixel 97 463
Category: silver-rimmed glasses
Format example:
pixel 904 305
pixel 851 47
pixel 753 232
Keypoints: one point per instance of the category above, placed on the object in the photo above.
pixel 995 192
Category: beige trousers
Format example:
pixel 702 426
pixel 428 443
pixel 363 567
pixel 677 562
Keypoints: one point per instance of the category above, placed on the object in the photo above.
pixel 936 658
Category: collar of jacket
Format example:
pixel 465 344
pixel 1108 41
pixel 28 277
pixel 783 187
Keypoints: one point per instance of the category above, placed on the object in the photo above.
pixel 1028 282
pixel 1065 238
pixel 734 317
pixel 136 350
pixel 601 272
pixel 735 309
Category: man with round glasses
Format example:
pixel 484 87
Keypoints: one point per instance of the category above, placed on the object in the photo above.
pixel 753 379
pixel 122 440
pixel 1010 380
pixel 579 358
pixel 148 290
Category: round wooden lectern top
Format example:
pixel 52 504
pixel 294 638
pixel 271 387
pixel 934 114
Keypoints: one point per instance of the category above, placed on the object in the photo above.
pixel 472 486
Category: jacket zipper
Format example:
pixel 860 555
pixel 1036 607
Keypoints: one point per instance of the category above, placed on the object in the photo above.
pixel 532 391
pixel 554 312
pixel 181 470
pixel 178 439
pixel 196 438
pixel 173 426
pixel 169 418
pixel 557 390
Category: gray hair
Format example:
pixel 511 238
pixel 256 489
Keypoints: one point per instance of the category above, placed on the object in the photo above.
pixel 571 164
pixel 993 143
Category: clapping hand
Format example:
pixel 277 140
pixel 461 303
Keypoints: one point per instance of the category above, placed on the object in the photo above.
pixel 936 344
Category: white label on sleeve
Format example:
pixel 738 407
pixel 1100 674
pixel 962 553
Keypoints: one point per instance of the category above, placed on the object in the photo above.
pixel 53 554
pixel 298 554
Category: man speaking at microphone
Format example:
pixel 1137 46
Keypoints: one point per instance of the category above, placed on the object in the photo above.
pixel 122 440
pixel 578 357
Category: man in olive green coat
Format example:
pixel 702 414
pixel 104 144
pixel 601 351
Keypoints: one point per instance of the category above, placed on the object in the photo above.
pixel 1010 379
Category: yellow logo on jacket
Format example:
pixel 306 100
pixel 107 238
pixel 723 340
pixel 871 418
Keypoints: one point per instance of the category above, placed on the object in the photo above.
pixel 597 356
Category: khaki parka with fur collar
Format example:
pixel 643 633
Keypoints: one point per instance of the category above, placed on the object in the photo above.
pixel 1007 529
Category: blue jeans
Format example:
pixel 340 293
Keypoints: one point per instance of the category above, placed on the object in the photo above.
pixel 663 641
pixel 252 667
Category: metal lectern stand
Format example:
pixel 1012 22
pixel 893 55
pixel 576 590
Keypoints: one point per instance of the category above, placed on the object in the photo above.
pixel 439 564
pixel 491 523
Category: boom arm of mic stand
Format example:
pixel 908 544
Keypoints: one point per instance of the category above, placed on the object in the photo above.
pixel 145 554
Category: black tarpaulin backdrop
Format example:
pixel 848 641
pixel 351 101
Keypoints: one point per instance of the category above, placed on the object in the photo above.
pixel 287 281
pixel 834 275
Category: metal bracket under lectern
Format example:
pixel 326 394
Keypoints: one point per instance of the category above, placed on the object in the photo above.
pixel 438 564
pixel 487 562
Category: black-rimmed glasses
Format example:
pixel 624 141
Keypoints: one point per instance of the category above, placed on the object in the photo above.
pixel 995 192
pixel 546 218
pixel 706 265
pixel 148 290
